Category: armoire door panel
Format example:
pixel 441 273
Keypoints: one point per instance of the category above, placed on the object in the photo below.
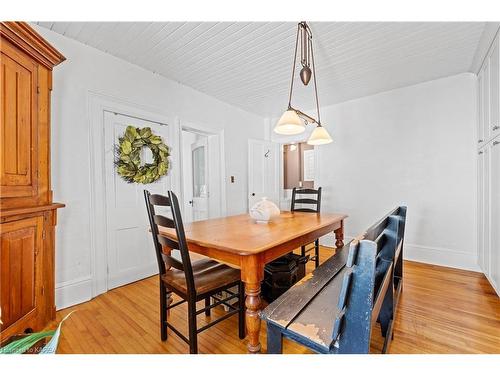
pixel 18 159
pixel 20 243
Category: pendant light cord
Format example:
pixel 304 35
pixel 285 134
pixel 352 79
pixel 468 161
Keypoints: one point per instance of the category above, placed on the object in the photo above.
pixel 314 76
pixel 306 33
pixel 293 66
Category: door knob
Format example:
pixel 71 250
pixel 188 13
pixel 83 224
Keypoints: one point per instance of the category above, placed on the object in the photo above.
pixel 190 202
pixel 253 194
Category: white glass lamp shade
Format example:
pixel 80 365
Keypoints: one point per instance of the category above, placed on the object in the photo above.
pixel 319 136
pixel 289 124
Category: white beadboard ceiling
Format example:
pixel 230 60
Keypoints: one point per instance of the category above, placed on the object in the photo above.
pixel 249 64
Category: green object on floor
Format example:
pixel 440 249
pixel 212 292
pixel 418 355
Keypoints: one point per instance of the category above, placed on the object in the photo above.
pixel 23 345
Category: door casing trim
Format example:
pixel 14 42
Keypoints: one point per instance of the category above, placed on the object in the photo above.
pixel 97 104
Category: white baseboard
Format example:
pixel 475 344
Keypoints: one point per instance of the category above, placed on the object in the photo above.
pixel 425 254
pixel 73 292
pixel 493 285
pixel 441 257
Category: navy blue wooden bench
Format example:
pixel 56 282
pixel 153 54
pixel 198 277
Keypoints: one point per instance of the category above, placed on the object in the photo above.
pixel 333 309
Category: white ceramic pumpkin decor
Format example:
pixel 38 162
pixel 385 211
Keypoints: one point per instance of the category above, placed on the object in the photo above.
pixel 264 211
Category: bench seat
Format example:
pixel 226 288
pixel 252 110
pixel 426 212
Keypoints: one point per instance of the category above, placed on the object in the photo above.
pixel 316 291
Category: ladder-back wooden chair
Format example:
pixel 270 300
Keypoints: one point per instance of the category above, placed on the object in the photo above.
pixel 313 201
pixel 192 282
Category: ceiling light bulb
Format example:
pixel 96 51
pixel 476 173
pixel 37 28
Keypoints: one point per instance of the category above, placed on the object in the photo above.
pixel 289 124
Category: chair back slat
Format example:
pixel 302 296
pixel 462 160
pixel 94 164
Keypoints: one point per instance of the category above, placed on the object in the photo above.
pixel 306 201
pixel 315 203
pixel 304 210
pixel 165 241
pixel 165 261
pixel 163 221
pixel 306 191
pixel 172 262
pixel 159 200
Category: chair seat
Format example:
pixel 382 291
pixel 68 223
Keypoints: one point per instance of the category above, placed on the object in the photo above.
pixel 209 276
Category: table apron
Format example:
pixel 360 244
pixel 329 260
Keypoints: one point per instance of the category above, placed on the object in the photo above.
pixel 286 247
pixel 237 260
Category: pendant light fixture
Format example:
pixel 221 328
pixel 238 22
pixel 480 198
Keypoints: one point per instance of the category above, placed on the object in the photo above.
pixel 293 121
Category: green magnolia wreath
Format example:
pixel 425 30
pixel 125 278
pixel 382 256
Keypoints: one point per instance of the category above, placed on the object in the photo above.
pixel 128 156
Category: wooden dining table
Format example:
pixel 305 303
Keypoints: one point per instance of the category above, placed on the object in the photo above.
pixel 242 243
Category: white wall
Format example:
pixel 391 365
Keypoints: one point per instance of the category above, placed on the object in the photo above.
pixel 413 146
pixel 87 69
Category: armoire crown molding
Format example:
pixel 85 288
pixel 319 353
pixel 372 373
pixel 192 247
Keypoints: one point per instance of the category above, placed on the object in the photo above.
pixel 27 39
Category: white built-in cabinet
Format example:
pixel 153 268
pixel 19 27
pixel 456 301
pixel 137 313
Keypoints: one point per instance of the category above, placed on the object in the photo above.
pixel 488 166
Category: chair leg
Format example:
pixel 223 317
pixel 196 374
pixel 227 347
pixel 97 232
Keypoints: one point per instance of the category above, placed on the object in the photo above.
pixel 207 303
pixel 163 311
pixel 241 313
pixel 316 253
pixel 193 336
pixel 303 251
pixel 170 300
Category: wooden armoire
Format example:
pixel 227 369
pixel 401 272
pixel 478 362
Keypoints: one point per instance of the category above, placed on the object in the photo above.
pixel 27 213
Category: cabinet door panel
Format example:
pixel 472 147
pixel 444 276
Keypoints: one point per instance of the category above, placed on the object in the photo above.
pixel 18 167
pixel 480 106
pixel 494 87
pixel 20 243
pixel 494 260
pixel 480 207
pixel 484 209
pixel 486 101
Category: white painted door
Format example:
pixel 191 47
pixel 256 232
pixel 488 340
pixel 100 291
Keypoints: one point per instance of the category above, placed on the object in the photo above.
pixel 263 167
pixel 199 157
pixel 130 251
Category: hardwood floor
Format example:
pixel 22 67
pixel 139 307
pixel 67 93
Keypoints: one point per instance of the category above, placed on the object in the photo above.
pixel 441 310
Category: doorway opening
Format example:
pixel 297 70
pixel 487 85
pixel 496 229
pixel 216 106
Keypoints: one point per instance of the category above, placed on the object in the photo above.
pixel 202 174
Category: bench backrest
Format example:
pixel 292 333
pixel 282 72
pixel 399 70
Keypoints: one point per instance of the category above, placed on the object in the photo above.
pixel 367 282
pixel 355 300
pixel 334 309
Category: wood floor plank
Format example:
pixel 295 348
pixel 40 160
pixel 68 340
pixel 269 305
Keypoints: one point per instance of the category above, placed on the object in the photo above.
pixel 441 310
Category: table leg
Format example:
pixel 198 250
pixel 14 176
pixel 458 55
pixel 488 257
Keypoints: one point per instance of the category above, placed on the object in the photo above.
pixel 252 319
pixel 252 273
pixel 339 235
